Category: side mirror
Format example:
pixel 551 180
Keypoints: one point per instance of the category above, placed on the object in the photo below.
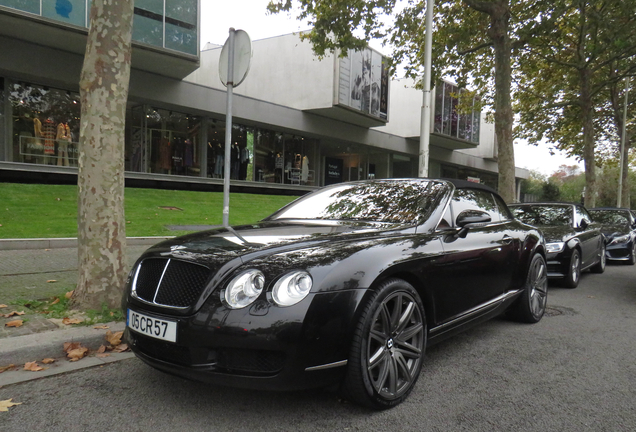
pixel 472 217
pixel 584 224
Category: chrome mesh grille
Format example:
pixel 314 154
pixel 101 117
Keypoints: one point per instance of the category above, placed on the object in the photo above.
pixel 169 282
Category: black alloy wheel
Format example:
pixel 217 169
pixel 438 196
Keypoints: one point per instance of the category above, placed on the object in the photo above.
pixel 571 279
pixel 531 305
pixel 387 348
pixel 600 266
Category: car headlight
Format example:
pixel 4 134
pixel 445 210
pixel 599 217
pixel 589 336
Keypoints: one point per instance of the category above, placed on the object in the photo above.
pixel 244 289
pixel 554 247
pixel 620 239
pixel 292 288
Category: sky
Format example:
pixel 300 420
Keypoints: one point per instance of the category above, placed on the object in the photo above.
pixel 251 16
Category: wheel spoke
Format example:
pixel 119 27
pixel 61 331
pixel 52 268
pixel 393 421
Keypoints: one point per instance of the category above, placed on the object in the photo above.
pixel 406 317
pixel 392 376
pixel 376 357
pixel 383 374
pixel 408 333
pixel 403 368
pixel 396 314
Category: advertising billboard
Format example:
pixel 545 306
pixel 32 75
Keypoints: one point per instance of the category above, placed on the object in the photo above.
pixel 363 82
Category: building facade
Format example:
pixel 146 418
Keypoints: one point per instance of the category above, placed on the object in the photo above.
pixel 299 122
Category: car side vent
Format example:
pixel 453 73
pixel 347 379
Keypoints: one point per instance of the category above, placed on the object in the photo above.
pixel 169 282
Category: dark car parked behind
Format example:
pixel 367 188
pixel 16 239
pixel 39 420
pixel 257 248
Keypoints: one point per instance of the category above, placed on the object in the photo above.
pixel 573 241
pixel 619 227
pixel 347 285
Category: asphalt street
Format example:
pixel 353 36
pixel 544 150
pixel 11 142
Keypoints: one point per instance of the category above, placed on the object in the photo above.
pixel 573 371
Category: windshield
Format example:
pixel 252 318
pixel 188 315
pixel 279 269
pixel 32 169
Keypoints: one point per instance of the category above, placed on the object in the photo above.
pixel 394 201
pixel 543 214
pixel 610 217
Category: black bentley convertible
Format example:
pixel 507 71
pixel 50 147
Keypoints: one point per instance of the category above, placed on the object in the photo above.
pixel 347 285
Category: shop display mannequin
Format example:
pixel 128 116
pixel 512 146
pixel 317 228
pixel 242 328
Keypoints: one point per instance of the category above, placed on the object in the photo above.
pixel 48 133
pixel 63 139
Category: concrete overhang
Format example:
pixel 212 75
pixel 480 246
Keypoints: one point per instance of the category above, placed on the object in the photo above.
pixel 348 115
pixel 450 143
pixel 50 33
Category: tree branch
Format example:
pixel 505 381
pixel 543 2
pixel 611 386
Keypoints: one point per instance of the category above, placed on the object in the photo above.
pixel 477 48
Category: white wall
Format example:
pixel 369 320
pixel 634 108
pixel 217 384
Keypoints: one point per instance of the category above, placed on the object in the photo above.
pixel 283 70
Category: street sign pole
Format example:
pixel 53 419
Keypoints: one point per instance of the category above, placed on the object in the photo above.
pixel 234 63
pixel 228 129
pixel 425 120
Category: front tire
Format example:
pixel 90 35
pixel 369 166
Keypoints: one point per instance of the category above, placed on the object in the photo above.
pixel 632 256
pixel 571 279
pixel 531 305
pixel 387 348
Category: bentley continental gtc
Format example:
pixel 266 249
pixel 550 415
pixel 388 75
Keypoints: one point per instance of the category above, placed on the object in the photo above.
pixel 344 287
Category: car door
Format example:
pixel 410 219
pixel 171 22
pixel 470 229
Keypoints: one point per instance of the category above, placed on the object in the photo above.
pixel 477 267
pixel 589 235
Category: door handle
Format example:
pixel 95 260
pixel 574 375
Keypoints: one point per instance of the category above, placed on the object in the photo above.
pixel 506 239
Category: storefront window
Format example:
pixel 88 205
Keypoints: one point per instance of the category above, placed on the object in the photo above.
pixel 45 126
pixel 32 6
pixel 241 151
pixel 172 139
pixel 269 160
pixel 449 121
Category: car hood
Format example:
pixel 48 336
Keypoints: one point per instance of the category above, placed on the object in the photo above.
pixel 213 247
pixel 554 234
pixel 612 231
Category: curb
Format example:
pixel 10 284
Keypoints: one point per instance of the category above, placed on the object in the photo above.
pixel 70 242
pixel 35 347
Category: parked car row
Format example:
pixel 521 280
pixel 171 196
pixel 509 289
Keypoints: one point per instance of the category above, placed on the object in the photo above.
pixel 578 239
pixel 351 283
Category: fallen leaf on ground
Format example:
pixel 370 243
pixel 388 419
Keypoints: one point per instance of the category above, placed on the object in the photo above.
pixel 3 306
pixel 48 360
pixel 114 338
pixel 68 346
pixel 102 355
pixel 56 301
pixel 15 323
pixel 51 281
pixel 68 321
pixel 101 349
pixel 101 327
pixel 69 294
pixel 77 354
pixel 14 313
pixel 33 367
pixel 6 368
pixel 6 404
pixel 120 348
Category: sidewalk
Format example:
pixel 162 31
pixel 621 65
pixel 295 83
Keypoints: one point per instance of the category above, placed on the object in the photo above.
pixel 36 270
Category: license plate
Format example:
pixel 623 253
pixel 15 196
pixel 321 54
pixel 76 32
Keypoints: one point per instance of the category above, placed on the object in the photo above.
pixel 153 327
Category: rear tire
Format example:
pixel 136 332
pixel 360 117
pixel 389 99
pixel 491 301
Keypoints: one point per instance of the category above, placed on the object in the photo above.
pixel 571 279
pixel 600 266
pixel 531 305
pixel 387 348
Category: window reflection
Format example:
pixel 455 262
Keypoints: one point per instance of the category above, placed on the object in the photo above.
pixel 386 201
pixel 610 217
pixel 543 214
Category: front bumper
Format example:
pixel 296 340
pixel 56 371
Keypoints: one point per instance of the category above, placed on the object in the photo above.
pixel 558 264
pixel 619 251
pixel 259 347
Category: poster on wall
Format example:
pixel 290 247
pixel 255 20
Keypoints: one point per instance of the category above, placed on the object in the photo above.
pixel 363 82
pixel 333 171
